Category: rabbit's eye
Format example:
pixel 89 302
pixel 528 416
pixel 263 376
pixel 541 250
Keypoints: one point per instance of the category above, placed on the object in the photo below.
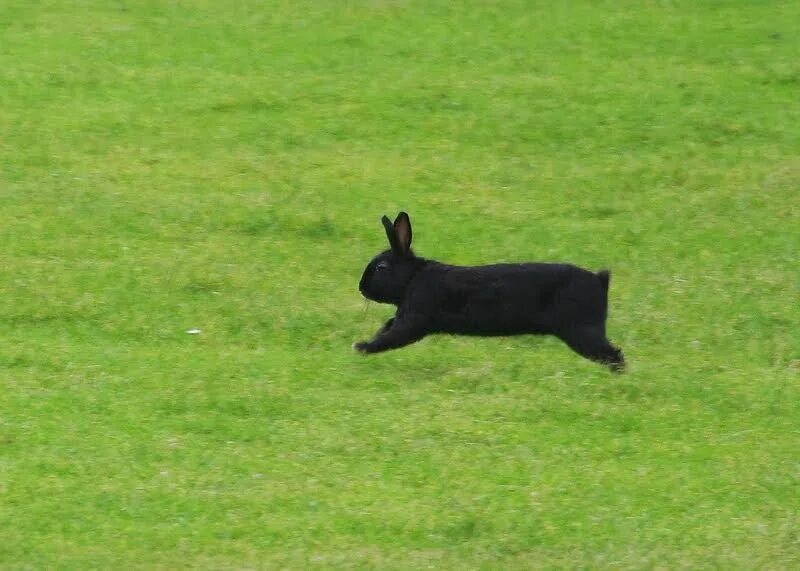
pixel 382 266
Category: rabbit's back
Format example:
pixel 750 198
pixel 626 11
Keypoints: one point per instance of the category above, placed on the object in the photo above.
pixel 510 299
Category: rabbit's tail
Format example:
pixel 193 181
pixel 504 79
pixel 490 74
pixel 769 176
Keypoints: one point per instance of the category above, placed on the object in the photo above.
pixel 605 278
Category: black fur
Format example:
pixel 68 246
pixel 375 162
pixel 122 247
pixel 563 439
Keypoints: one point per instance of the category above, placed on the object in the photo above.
pixel 502 299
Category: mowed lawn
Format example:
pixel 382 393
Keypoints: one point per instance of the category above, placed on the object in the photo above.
pixel 222 167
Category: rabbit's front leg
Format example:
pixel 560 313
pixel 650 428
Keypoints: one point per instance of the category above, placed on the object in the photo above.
pixel 395 333
pixel 385 327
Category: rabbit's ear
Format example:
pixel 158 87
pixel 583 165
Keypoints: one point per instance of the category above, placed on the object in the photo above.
pixel 402 228
pixel 391 234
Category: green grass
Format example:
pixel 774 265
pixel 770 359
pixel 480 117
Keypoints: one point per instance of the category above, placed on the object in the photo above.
pixel 172 165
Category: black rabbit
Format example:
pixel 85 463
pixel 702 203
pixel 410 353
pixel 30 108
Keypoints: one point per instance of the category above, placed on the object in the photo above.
pixel 502 299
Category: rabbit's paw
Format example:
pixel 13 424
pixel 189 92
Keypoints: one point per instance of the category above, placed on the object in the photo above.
pixel 362 347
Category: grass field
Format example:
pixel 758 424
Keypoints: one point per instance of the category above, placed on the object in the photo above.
pixel 223 166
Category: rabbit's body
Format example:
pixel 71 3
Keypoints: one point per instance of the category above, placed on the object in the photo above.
pixel 500 299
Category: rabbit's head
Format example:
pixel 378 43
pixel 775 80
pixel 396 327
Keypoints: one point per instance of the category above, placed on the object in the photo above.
pixel 387 276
